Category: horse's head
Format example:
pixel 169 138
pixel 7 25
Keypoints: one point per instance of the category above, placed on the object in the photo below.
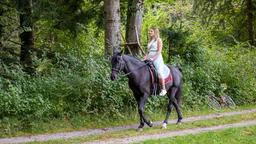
pixel 117 63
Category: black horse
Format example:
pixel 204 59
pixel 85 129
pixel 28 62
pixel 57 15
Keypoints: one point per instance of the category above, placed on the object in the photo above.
pixel 140 83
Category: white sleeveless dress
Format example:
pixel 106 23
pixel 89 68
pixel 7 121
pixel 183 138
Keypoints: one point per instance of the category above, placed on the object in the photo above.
pixel 161 68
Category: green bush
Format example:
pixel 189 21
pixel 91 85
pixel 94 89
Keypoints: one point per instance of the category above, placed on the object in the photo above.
pixel 77 86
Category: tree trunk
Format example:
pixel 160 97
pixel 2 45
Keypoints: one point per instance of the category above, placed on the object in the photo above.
pixel 26 36
pixel 1 27
pixel 112 26
pixel 250 20
pixel 134 19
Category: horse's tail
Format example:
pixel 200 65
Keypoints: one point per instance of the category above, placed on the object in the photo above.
pixel 179 67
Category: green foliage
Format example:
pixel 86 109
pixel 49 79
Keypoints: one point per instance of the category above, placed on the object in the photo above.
pixel 225 18
pixel 72 75
pixel 206 63
pixel 71 79
pixel 237 71
pixel 75 78
pixel 69 14
pixel 77 86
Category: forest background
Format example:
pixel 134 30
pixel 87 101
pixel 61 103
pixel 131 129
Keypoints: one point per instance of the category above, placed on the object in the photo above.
pixel 54 56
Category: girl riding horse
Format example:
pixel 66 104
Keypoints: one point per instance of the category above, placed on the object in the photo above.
pixel 140 83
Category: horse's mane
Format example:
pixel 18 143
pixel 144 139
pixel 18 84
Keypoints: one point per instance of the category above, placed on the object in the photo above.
pixel 133 59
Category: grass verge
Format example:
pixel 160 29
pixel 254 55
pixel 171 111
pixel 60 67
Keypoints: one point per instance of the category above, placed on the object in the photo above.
pixel 156 129
pixel 15 128
pixel 245 135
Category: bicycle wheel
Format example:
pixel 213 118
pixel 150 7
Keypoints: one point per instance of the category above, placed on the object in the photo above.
pixel 229 102
pixel 213 103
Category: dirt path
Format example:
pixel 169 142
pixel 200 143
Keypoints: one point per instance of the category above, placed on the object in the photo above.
pixel 173 133
pixel 66 135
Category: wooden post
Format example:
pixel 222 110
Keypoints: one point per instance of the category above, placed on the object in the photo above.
pixel 126 45
pixel 138 40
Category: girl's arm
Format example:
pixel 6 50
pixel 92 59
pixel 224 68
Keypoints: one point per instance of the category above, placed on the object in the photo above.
pixel 145 57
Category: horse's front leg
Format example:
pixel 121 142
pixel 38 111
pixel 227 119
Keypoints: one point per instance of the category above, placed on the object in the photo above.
pixel 141 103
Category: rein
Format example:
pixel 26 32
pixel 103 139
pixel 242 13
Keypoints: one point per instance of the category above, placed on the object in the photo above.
pixel 122 64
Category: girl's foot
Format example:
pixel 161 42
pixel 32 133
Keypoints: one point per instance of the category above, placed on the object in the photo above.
pixel 163 92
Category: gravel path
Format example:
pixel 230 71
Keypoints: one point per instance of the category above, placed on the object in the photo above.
pixel 66 135
pixel 173 133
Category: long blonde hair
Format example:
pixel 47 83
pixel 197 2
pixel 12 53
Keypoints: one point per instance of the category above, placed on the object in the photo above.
pixel 157 33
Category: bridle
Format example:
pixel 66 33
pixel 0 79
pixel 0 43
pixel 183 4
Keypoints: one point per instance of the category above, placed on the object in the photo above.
pixel 121 65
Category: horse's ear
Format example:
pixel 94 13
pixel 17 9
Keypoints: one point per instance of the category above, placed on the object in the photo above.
pixel 116 51
pixel 122 51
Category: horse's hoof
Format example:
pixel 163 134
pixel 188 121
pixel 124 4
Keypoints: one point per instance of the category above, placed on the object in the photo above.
pixel 150 124
pixel 178 123
pixel 164 126
pixel 139 129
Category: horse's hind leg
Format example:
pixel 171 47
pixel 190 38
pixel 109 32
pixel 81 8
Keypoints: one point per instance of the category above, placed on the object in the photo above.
pixel 174 96
pixel 168 113
pixel 178 98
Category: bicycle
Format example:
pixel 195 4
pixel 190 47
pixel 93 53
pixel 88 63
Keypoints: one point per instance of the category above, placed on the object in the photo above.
pixel 217 103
